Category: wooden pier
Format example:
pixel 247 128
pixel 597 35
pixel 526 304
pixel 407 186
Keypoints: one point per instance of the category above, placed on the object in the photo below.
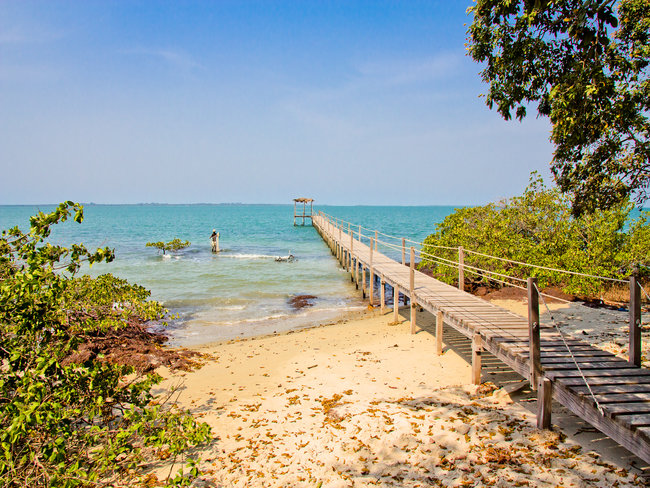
pixel 610 393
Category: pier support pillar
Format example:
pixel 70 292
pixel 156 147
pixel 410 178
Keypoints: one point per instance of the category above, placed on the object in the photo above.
pixel 363 281
pixel 544 400
pixel 414 326
pixel 382 294
pixel 395 304
pixel 439 324
pixel 534 356
pixel 371 279
pixel 634 353
pixel 477 349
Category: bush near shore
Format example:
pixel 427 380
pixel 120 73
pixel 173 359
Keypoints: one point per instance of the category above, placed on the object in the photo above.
pixel 71 416
pixel 538 228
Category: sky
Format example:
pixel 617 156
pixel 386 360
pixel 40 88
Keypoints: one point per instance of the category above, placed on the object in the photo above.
pixel 347 102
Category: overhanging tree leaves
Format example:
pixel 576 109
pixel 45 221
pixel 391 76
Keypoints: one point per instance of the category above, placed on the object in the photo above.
pixel 585 63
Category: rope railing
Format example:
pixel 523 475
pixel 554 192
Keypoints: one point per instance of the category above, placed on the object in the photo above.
pixel 576 273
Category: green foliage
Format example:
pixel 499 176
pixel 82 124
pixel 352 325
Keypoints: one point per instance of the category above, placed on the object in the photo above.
pixel 585 63
pixel 67 421
pixel 173 245
pixel 539 228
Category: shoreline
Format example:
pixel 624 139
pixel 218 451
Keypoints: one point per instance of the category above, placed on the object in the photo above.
pixel 362 403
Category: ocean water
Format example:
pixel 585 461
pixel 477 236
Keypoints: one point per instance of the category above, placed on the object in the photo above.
pixel 241 291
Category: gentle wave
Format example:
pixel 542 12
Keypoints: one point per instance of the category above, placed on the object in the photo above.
pixel 248 256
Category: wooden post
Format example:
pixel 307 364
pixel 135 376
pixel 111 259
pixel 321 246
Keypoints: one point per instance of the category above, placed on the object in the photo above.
pixel 461 268
pixel 359 233
pixel 403 251
pixel 349 263
pixel 533 334
pixel 382 294
pixel 217 245
pixel 356 272
pixel 477 349
pixel 351 249
pixel 294 213
pixel 634 353
pixel 412 291
pixel 376 239
pixel 363 281
pixel 395 304
pixel 544 401
pixel 372 274
pixel 439 325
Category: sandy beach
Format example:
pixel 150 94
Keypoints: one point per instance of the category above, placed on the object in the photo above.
pixel 365 403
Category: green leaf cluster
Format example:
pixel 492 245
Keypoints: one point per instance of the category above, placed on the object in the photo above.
pixel 539 228
pixel 69 421
pixel 174 245
pixel 586 63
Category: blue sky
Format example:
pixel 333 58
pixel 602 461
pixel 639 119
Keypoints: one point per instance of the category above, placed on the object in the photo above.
pixel 347 102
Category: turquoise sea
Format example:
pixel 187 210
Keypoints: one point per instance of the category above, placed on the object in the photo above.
pixel 241 291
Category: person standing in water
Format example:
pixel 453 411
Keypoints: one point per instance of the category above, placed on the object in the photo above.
pixel 214 239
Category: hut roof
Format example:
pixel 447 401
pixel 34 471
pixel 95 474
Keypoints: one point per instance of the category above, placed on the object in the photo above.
pixel 303 200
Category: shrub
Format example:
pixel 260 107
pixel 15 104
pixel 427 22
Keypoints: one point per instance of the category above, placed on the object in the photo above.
pixel 64 422
pixel 538 228
pixel 173 245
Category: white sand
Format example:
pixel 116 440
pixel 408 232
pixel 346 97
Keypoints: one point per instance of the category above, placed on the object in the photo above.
pixel 363 403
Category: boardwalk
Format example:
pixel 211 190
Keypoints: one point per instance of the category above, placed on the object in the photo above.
pixel 616 395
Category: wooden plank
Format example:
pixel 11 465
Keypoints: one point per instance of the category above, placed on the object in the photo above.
pixel 614 389
pixel 634 420
pixel 599 373
pixel 622 397
pixel 627 408
pixel 584 363
pixel 612 380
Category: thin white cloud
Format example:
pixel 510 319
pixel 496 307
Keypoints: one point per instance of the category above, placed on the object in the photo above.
pixel 20 35
pixel 398 72
pixel 174 58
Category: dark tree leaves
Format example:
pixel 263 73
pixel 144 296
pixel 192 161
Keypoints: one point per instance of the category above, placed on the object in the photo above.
pixel 585 64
